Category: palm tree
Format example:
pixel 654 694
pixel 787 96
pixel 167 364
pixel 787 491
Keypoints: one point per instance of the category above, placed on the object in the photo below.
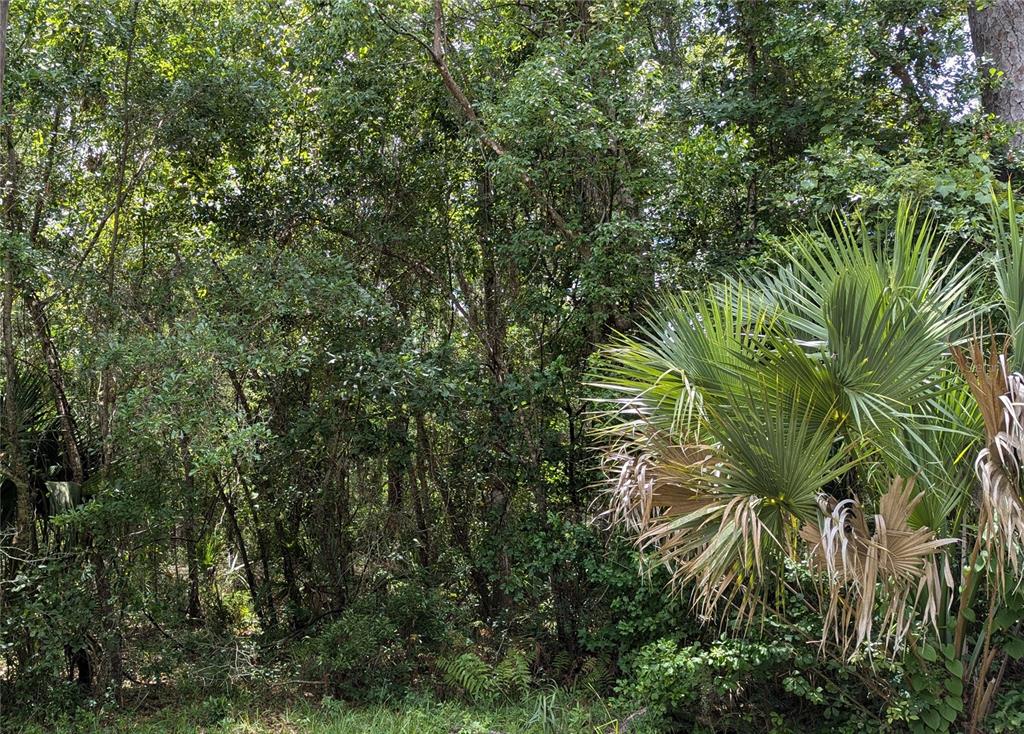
pixel 829 413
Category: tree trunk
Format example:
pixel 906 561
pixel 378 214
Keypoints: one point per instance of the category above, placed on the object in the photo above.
pixel 243 552
pixel 458 520
pixel 495 333
pixel 16 467
pixel 997 33
pixel 69 430
pixel 420 506
pixel 259 531
pixel 398 439
pixel 15 464
pixel 194 611
pixel 297 610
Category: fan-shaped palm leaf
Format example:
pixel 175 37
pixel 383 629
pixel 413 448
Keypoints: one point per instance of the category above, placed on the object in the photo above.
pixel 885 559
pixel 33 413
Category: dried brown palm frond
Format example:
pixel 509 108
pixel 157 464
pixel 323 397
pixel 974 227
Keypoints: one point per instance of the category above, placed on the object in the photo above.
pixel 719 549
pixel 985 378
pixel 668 495
pixel 883 565
pixel 1001 519
pixel 653 481
pixel 1000 397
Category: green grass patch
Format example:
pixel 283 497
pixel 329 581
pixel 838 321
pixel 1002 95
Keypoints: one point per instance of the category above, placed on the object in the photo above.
pixel 539 714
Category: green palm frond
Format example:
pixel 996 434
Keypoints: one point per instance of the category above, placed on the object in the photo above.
pixel 907 259
pixel 883 351
pixel 774 451
pixel 33 412
pixel 1008 262
pixel 940 452
pixel 687 347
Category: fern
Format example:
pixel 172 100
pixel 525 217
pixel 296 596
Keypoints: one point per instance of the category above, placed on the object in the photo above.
pixel 478 680
pixel 596 675
pixel 561 665
pixel 512 674
pixel 471 675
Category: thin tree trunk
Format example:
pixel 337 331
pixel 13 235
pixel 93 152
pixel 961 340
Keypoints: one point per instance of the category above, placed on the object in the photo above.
pixel 458 522
pixel 397 431
pixel 14 460
pixel 106 407
pixel 69 430
pixel 495 330
pixel 262 543
pixel 291 581
pixel 112 672
pixel 420 505
pixel 243 551
pixel 262 547
pixel 194 610
pixel 16 467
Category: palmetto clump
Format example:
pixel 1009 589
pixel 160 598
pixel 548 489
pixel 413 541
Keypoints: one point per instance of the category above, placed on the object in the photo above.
pixel 825 413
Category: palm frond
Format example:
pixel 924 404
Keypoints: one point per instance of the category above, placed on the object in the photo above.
pixel 883 565
pixel 999 394
pixel 1009 267
pixel 689 346
pixel 33 412
pixel 940 452
pixel 730 414
pixel 716 513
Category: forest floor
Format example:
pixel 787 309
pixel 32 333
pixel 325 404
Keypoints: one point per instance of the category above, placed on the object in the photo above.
pixel 541 714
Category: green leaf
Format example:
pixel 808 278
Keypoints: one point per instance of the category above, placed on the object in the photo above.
pixel 947 712
pixel 1006 618
pixel 955 667
pixel 928 653
pixel 1014 647
pixel 955 686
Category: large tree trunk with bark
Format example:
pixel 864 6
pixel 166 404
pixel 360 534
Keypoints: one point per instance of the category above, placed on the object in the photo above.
pixel 997 33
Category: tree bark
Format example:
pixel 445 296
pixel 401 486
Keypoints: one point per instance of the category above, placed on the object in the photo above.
pixel 194 611
pixel 997 34
pixel 243 552
pixel 398 439
pixel 16 469
pixel 69 431
pixel 13 459
pixel 297 611
pixel 420 506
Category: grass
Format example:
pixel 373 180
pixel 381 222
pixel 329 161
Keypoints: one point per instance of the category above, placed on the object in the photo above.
pixel 539 714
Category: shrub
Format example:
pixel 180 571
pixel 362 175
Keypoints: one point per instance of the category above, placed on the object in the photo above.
pixel 762 682
pixel 358 655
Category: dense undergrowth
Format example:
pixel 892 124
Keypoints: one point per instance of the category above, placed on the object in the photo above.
pixel 393 666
